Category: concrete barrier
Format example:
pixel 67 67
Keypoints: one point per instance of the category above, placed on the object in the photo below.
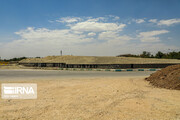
pixel 100 66
pixel 111 70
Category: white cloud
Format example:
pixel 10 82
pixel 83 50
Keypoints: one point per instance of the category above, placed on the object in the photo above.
pixel 44 34
pixel 150 36
pixel 113 17
pixel 97 26
pixel 90 19
pixel 90 24
pixel 113 37
pixel 168 22
pixel 82 36
pixel 116 18
pixel 43 41
pixel 139 21
pixel 69 19
pixel 153 20
pixel 91 34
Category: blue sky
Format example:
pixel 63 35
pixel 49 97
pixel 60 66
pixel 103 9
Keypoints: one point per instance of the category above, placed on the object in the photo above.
pixel 88 27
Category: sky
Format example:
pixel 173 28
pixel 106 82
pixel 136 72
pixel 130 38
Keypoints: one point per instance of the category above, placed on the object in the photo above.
pixel 38 28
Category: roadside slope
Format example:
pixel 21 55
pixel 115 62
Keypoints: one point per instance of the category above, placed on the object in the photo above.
pixel 97 60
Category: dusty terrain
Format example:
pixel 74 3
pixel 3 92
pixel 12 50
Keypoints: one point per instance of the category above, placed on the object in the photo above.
pixel 116 98
pixel 11 66
pixel 97 60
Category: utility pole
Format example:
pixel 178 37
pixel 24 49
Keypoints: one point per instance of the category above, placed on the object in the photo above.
pixel 61 52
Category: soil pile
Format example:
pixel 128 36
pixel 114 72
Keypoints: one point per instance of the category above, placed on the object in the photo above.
pixel 168 77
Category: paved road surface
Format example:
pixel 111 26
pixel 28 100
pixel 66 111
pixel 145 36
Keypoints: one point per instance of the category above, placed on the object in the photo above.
pixel 28 73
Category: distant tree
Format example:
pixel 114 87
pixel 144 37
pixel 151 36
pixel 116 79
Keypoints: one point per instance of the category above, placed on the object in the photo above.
pixel 174 55
pixel 15 59
pixel 152 56
pixel 159 54
pixel 127 55
pixel 145 54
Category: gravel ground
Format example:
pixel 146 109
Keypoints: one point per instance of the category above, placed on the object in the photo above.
pixel 93 98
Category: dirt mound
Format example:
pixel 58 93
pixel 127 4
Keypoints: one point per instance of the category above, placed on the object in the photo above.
pixel 168 77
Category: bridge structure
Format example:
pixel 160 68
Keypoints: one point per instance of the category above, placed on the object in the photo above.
pixel 102 66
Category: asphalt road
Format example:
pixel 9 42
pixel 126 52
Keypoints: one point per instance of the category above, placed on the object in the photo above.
pixel 28 73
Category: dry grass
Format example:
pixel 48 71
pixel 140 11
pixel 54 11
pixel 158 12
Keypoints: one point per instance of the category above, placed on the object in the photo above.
pixel 97 60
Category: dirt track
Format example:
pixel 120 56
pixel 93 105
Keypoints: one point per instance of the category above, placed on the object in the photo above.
pixel 118 98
